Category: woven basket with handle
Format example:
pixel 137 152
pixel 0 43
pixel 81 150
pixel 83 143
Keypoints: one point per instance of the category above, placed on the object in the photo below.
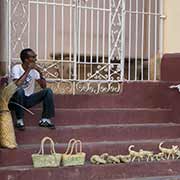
pixel 78 158
pixel 46 160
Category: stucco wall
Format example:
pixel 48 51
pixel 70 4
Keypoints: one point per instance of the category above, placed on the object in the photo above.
pixel 172 26
pixel 3 37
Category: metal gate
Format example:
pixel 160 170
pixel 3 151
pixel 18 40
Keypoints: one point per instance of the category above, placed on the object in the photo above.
pixel 82 45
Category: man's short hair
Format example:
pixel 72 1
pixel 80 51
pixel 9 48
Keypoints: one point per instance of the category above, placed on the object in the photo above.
pixel 24 54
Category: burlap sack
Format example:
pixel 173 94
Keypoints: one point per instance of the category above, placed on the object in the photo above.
pixel 7 134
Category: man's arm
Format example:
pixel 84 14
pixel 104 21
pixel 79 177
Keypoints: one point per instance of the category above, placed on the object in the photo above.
pixel 42 80
pixel 11 88
pixel 20 81
pixel 42 83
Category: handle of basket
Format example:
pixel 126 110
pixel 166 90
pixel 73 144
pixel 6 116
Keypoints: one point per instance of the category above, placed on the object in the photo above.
pixel 69 148
pixel 41 151
pixel 80 146
pixel 72 148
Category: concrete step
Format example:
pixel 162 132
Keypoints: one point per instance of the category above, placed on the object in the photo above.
pixel 133 94
pixel 92 133
pixel 85 116
pixel 140 114
pixel 96 172
pixel 22 155
pixel 155 178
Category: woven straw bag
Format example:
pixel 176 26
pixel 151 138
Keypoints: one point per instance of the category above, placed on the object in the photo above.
pixel 70 159
pixel 7 134
pixel 46 160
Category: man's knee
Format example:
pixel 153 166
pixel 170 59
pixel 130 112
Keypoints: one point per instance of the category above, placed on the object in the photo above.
pixel 20 92
pixel 17 97
pixel 48 91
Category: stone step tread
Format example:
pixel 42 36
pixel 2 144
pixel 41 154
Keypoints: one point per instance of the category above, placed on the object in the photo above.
pixel 91 133
pixel 154 178
pixel 129 171
pixel 108 109
pixel 87 165
pixel 103 143
pixel 22 155
pixel 104 116
pixel 138 95
pixel 171 124
pixel 142 141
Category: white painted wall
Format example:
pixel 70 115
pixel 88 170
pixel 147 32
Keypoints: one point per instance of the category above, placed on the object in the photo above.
pixel 3 37
pixel 172 26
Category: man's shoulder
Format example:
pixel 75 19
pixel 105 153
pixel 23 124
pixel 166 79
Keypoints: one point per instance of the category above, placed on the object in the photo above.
pixel 34 71
pixel 16 71
pixel 17 66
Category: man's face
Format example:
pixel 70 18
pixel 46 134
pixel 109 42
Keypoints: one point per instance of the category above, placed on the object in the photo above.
pixel 31 57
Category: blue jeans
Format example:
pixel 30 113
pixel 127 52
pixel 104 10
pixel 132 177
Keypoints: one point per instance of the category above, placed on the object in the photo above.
pixel 45 96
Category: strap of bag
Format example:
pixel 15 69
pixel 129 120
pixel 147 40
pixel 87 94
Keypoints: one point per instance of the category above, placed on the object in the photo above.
pixel 78 142
pixel 52 150
pixel 70 147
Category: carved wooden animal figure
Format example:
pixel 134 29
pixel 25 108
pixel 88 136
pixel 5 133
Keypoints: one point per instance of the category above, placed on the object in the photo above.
pixel 168 152
pixel 104 156
pixel 134 154
pixel 95 159
pixel 124 158
pixel 147 154
pixel 178 154
pixel 159 156
pixel 113 160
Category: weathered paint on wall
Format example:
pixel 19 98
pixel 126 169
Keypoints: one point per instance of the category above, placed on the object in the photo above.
pixel 172 26
pixel 3 37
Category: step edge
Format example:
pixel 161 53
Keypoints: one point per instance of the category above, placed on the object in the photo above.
pixel 96 126
pixel 87 165
pixel 108 109
pixel 27 146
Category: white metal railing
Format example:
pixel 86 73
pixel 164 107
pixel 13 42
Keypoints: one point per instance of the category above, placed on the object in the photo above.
pixel 144 23
pixel 89 41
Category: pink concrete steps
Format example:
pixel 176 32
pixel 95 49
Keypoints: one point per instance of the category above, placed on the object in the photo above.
pixel 103 116
pixel 155 178
pixel 136 171
pixel 133 95
pixel 98 133
pixel 142 114
pixel 22 155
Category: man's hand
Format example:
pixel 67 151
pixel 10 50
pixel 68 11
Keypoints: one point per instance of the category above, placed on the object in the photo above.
pixel 39 70
pixel 3 81
pixel 33 65
pixel 175 86
pixel 41 81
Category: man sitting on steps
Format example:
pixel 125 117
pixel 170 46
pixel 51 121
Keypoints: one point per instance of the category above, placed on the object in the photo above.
pixel 25 95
